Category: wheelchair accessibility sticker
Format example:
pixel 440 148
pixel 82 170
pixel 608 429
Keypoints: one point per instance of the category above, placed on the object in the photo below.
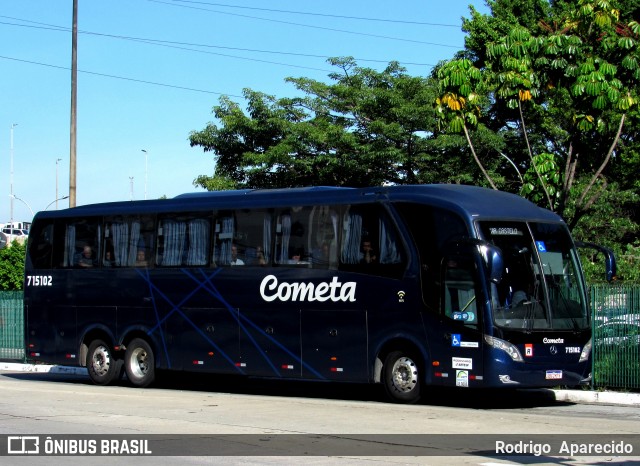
pixel 456 340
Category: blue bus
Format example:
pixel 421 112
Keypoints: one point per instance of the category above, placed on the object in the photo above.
pixel 405 286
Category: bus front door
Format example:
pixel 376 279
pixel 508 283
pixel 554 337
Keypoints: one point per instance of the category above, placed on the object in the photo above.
pixel 460 358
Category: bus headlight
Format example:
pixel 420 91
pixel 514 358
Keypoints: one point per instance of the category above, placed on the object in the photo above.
pixel 505 346
pixel 586 352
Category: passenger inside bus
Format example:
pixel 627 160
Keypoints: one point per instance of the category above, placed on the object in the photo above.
pixel 235 260
pixel 368 255
pixel 297 257
pixel 260 259
pixel 85 259
pixel 108 259
pixel 141 259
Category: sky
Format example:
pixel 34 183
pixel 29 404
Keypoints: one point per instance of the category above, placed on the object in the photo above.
pixel 151 71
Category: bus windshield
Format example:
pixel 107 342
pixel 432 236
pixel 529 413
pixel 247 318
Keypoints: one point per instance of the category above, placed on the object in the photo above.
pixel 541 287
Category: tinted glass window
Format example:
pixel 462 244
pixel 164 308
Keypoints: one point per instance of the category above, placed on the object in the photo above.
pixel 370 242
pixel 128 241
pixel 41 246
pixel 81 242
pixel 184 240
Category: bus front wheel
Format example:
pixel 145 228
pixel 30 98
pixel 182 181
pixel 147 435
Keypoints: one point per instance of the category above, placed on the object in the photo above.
pixel 102 366
pixel 402 377
pixel 139 363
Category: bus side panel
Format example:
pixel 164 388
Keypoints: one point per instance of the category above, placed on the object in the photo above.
pixel 51 334
pixel 209 340
pixel 334 345
pixel 270 342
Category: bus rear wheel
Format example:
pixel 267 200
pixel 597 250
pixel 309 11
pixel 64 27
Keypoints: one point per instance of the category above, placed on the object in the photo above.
pixel 102 366
pixel 401 376
pixel 139 363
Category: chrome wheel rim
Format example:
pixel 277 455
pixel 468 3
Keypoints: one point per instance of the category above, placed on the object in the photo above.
pixel 139 362
pixel 101 361
pixel 404 375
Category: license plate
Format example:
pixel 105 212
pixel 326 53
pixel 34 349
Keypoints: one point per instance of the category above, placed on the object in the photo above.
pixel 553 375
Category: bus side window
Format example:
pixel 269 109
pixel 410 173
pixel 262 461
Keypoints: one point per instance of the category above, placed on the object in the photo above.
pixel 224 231
pixel 81 243
pixel 253 237
pixel 323 237
pixel 41 247
pixel 370 242
pixel 183 241
pixel 293 238
pixel 132 238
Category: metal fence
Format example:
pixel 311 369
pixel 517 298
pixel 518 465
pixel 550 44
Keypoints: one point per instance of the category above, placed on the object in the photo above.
pixel 616 333
pixel 11 325
pixel 616 336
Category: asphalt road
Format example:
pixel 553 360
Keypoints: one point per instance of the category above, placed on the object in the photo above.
pixel 272 422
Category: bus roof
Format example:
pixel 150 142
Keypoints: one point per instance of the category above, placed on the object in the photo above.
pixel 469 201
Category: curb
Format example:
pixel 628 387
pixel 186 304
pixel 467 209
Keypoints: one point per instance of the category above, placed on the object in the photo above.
pixel 42 368
pixel 612 398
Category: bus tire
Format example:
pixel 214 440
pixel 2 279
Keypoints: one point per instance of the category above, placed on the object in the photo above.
pixel 401 377
pixel 139 363
pixel 103 367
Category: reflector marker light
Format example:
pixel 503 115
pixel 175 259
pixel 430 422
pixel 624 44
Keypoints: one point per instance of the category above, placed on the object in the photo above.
pixel 287 366
pixel 198 363
pixel 337 369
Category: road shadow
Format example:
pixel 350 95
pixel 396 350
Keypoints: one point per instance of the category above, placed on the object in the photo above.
pixel 433 396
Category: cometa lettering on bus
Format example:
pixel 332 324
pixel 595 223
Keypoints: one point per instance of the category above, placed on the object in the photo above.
pixel 335 291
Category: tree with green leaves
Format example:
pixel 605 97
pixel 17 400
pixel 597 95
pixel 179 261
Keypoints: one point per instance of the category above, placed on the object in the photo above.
pixel 12 267
pixel 562 82
pixel 364 128
pixel 563 85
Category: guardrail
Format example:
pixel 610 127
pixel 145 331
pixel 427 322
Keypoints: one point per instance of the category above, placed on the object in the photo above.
pixel 616 333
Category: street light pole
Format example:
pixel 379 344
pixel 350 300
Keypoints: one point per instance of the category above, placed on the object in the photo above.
pixel 56 201
pixel 13 196
pixel 513 165
pixel 74 107
pixel 146 166
pixel 11 184
pixel 131 188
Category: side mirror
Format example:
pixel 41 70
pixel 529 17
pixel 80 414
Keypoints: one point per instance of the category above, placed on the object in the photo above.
pixel 492 256
pixel 609 258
